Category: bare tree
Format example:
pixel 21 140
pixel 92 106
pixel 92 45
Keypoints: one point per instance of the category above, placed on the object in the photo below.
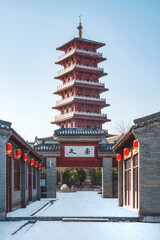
pixel 122 128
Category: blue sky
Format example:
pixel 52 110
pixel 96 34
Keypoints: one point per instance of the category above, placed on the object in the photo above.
pixel 30 32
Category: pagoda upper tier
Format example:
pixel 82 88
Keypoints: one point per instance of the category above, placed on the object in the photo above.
pixel 80 104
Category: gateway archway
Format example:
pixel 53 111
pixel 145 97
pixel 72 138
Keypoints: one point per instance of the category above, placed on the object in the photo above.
pixel 77 148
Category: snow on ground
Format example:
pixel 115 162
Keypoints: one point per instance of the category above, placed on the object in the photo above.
pixel 83 204
pixel 30 209
pixel 86 203
pixel 77 204
pixel 7 228
pixel 88 231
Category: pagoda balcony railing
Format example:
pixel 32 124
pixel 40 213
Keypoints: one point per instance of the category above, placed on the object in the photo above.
pixel 78 81
pixel 79 50
pixel 59 102
pixel 91 98
pixel 70 114
pixel 67 69
pixel 62 101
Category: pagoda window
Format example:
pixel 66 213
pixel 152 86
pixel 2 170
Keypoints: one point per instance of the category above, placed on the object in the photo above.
pixel 79 125
pixel 86 64
pixel 71 124
pixel 79 109
pixel 96 110
pixel 88 110
pixel 88 125
pixel 72 109
pixel 87 94
pixel 62 112
pixel 86 48
pixel 66 125
pixel 87 79
pixel 67 94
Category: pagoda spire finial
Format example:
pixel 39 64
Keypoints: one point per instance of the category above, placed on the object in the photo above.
pixel 80 27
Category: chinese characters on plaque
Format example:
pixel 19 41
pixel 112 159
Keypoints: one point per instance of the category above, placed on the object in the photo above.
pixel 79 151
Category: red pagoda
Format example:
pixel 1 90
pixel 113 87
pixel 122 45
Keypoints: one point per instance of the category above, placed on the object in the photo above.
pixel 80 105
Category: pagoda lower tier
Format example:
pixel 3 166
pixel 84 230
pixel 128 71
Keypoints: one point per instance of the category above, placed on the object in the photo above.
pixel 81 119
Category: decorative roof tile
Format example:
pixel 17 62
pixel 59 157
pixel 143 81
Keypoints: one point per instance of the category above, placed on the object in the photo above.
pixel 5 125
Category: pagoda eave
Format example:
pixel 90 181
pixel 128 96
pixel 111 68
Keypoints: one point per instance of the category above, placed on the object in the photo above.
pixel 101 105
pixel 83 116
pixel 99 59
pixel 78 69
pixel 58 92
pixel 98 44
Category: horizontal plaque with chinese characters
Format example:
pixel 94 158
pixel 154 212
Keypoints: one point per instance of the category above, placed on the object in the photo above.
pixel 79 151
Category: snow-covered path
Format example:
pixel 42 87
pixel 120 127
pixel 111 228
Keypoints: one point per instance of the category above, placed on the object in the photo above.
pixel 77 204
pixel 86 204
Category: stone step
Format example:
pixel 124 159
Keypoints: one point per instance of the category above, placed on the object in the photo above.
pixel 76 219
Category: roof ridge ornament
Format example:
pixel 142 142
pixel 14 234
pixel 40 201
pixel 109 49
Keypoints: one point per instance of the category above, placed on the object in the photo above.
pixel 80 27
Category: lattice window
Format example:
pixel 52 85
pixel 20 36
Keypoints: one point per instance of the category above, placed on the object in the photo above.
pixel 127 164
pixel 135 160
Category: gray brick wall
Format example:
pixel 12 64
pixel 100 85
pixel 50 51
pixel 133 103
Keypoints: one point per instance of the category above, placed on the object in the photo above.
pixel 149 168
pixel 4 136
pixel 51 177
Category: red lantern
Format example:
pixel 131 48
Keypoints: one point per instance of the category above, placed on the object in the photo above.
pixel 126 152
pixel 36 164
pixel 135 144
pixel 31 161
pixel 18 153
pixel 118 157
pixel 8 148
pixel 25 157
pixel 39 166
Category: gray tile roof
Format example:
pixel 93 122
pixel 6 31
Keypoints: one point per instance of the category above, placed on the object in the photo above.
pixel 104 147
pixel 47 147
pixel 141 122
pixel 79 131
